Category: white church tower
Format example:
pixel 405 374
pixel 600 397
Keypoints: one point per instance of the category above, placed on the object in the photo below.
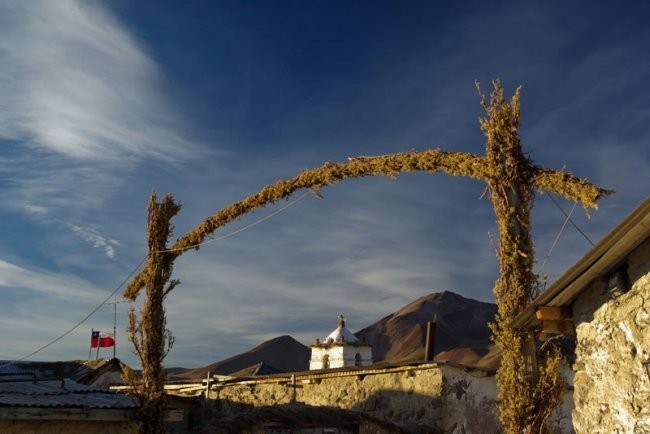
pixel 340 349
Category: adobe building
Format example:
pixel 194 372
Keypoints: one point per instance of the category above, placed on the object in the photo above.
pixel 340 349
pixel 603 301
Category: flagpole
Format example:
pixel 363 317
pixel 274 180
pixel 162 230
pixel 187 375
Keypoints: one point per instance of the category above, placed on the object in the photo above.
pixel 91 342
pixel 114 303
pixel 114 327
pixel 99 339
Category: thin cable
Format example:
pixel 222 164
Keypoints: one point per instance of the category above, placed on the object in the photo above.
pixel 138 267
pixel 238 231
pixel 570 220
pixel 80 322
pixel 548 255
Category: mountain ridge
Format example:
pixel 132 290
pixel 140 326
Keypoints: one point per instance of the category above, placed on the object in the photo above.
pixel 460 322
pixel 462 336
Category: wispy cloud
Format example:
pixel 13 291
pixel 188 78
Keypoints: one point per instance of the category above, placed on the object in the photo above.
pixel 16 278
pixel 87 130
pixel 40 305
pixel 84 105
pixel 352 253
pixel 76 83
pixel 92 237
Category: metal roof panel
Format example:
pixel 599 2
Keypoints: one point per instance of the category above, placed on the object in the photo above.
pixel 52 394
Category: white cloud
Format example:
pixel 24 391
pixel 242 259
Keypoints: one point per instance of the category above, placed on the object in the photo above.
pixel 38 306
pixel 364 252
pixel 92 237
pixel 34 209
pixel 75 82
pixel 84 106
pixel 16 278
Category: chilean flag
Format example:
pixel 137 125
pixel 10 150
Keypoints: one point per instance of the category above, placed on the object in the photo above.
pixel 101 340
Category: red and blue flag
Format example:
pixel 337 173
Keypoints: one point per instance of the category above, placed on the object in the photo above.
pixel 101 340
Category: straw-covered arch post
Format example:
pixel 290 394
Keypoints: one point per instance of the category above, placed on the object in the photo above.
pixel 511 179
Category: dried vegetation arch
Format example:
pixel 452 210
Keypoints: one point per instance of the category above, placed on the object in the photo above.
pixel 511 179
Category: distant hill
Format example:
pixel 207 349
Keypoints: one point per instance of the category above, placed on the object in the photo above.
pixel 284 354
pixel 461 322
pixel 399 337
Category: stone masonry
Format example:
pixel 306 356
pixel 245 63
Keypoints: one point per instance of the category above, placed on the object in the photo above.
pixel 419 398
pixel 612 389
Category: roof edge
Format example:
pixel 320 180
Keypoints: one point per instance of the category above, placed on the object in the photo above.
pixel 623 236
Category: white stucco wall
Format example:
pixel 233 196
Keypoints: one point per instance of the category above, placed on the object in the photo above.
pixel 612 390
pixel 339 356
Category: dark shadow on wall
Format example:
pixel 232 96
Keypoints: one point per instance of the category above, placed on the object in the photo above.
pixel 227 417
pixel 417 413
pixel 383 412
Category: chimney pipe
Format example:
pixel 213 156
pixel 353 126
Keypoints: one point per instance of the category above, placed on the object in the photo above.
pixel 429 349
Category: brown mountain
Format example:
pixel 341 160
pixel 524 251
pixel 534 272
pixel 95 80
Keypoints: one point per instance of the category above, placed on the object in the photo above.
pixel 281 354
pixel 399 337
pixel 460 322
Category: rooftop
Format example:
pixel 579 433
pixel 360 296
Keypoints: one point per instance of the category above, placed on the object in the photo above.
pixel 60 393
pixel 603 258
pixel 81 371
pixel 341 334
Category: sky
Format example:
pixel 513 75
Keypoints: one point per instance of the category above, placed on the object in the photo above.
pixel 102 103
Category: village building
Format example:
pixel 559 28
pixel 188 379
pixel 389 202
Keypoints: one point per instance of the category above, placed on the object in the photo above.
pixel 99 373
pixel 63 406
pixel 380 399
pixel 603 302
pixel 598 312
pixel 340 349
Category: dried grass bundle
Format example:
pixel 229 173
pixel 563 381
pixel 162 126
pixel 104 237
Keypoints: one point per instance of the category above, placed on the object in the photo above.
pixel 511 179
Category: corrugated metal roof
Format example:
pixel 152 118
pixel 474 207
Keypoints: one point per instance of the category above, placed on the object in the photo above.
pixel 99 373
pixel 66 393
pixel 78 370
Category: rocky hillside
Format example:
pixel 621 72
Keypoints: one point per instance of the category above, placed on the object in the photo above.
pixel 283 353
pixel 461 322
pixel 399 337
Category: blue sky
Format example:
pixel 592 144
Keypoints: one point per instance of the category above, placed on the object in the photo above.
pixel 103 102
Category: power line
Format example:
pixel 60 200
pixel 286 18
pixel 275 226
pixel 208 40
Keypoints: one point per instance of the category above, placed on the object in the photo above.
pixel 78 323
pixel 557 237
pixel 92 312
pixel 569 218
pixel 238 231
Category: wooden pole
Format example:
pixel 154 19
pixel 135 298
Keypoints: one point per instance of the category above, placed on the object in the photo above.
pixel 429 349
pixel 91 343
pixel 150 336
pixel 207 386
pixel 114 327
pixel 532 353
pixel 511 179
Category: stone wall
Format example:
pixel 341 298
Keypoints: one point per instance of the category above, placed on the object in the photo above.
pixel 560 420
pixel 421 398
pixel 612 390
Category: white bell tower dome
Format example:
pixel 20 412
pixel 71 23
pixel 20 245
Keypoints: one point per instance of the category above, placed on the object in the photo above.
pixel 340 349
